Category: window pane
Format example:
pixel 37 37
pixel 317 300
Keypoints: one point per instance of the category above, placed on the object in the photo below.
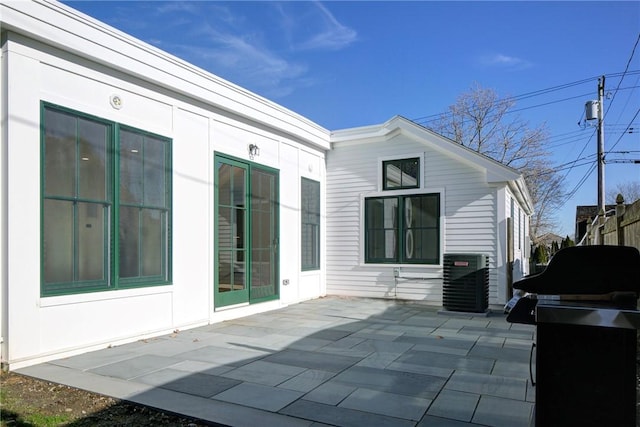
pixel 425 245
pixel 131 172
pixel 59 153
pixel 410 172
pixel 310 227
pixel 260 269
pixel 392 175
pixel 381 224
pixel 421 229
pixel 224 184
pixel 91 241
pixel 238 187
pixel 154 172
pixel 261 229
pixel 58 241
pixel 225 227
pixel 92 143
pixel 129 229
pixel 152 244
pixel 261 189
pixel 421 211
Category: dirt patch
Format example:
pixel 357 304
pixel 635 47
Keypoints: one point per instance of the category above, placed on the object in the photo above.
pixel 26 401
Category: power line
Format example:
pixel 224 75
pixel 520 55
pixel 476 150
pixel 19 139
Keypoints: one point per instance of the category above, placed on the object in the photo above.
pixel 625 131
pixel 581 182
pixel 444 115
pixel 633 51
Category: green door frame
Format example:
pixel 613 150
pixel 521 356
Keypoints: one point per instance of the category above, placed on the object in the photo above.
pixel 244 251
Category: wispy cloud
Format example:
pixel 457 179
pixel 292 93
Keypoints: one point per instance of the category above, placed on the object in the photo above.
pixel 244 62
pixel 257 47
pixel 504 61
pixel 332 35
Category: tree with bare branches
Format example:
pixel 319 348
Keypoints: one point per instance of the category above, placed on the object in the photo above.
pixel 630 190
pixel 483 122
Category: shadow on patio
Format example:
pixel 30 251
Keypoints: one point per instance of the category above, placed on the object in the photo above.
pixel 335 361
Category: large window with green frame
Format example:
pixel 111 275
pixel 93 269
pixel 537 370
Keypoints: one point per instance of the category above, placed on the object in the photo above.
pixel 402 229
pixel 106 204
pixel 310 224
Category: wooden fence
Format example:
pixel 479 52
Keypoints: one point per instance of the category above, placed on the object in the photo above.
pixel 621 227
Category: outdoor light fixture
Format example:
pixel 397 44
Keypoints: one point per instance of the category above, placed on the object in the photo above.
pixel 254 150
pixel 116 101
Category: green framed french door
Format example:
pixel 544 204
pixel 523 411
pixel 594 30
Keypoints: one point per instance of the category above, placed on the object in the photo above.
pixel 246 232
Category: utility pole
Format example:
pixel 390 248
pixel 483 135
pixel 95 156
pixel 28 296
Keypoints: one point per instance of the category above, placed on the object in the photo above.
pixel 601 144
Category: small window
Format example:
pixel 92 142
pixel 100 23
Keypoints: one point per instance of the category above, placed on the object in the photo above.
pixel 310 212
pixel 400 174
pixel 402 229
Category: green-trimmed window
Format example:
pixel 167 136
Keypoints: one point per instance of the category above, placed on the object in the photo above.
pixel 310 207
pixel 106 204
pixel 402 229
pixel 401 173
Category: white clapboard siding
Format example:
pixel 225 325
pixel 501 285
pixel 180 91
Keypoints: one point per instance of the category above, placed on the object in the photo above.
pixel 468 224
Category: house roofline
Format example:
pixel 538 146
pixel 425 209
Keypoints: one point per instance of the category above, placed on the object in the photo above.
pixel 496 171
pixel 65 28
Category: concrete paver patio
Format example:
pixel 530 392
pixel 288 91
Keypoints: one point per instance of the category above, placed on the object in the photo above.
pixel 330 361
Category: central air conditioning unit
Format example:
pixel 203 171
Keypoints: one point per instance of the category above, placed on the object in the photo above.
pixel 466 283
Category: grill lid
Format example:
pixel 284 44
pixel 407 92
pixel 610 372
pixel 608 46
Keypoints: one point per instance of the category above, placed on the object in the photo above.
pixel 587 270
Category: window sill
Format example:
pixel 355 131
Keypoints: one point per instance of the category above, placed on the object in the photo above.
pixel 54 301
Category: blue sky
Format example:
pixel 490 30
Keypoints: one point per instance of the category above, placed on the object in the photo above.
pixel 350 64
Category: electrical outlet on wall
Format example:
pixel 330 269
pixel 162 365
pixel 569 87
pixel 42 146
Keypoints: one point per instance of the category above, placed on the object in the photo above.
pixel 285 282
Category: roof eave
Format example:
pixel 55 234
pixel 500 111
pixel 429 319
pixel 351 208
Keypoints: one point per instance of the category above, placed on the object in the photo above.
pixel 61 26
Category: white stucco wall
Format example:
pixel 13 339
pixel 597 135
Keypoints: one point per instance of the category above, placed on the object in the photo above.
pixel 41 328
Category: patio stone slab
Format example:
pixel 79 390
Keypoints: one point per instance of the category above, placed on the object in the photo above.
pixel 222 356
pixel 330 393
pixel 430 421
pixel 495 411
pixel 135 367
pixel 190 383
pixel 262 372
pixel 343 417
pixel 259 396
pixel 393 405
pixel 96 359
pixel 207 409
pixel 312 360
pixel 492 385
pixel 307 380
pixel 455 405
pixel 420 369
pixel 503 353
pixel 407 383
pixel 447 361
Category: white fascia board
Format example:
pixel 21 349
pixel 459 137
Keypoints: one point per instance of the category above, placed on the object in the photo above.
pixel 58 25
pixel 521 193
pixel 496 172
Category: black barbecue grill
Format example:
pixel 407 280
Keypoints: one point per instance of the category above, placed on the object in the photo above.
pixel 584 306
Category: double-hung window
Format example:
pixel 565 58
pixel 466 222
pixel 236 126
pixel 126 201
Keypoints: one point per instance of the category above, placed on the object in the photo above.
pixel 310 209
pixel 402 227
pixel 106 204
